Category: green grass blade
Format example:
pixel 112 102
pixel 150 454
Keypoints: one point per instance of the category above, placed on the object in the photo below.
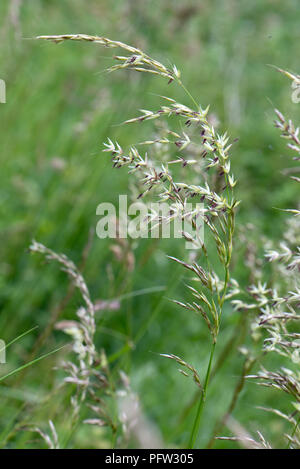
pixel 32 362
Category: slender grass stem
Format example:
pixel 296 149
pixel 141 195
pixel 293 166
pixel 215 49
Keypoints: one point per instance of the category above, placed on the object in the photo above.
pixel 196 426
pixel 188 93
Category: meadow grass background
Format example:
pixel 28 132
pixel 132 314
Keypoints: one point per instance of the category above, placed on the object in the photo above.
pixel 60 107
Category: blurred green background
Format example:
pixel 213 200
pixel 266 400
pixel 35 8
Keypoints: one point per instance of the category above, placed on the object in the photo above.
pixel 60 107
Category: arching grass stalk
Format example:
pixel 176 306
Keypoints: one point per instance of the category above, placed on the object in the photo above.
pixel 196 426
pixel 203 161
pixel 197 421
